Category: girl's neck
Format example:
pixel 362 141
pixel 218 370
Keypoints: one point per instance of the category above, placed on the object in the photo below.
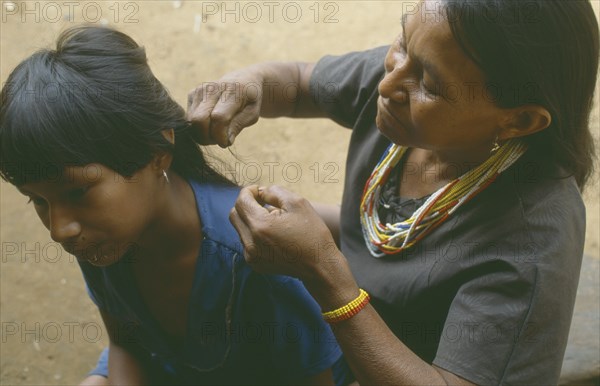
pixel 175 231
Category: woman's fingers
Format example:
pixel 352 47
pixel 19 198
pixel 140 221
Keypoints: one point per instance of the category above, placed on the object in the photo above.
pixel 244 232
pixel 201 102
pixel 220 110
pixel 211 112
pixel 281 231
pixel 247 117
pixel 249 206
pixel 220 119
pixel 256 205
pixel 281 198
pixel 246 217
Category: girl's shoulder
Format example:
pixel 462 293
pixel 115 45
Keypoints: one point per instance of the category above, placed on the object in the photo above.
pixel 214 202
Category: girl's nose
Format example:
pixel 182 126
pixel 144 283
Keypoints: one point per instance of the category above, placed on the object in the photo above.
pixel 63 226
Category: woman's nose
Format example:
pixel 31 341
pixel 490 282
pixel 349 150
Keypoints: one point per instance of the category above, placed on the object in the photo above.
pixel 397 81
pixel 390 88
pixel 63 225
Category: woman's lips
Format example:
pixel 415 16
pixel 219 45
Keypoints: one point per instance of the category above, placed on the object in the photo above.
pixel 389 118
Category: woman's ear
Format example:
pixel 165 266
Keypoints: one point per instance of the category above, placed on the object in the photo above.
pixel 525 120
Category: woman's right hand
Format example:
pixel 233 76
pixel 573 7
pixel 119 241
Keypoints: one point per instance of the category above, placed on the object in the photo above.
pixel 220 110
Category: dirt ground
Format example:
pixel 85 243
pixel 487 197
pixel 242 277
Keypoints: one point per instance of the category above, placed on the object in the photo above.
pixel 51 331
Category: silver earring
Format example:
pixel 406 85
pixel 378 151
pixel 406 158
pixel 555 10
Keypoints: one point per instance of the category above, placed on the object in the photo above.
pixel 166 176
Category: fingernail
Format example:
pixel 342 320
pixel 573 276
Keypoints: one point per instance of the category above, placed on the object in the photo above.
pixel 231 138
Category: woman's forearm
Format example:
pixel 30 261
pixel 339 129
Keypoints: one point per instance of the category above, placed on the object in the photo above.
pixel 286 90
pixel 330 214
pixel 374 353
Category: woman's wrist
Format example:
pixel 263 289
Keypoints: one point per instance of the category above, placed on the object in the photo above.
pixel 278 98
pixel 348 310
pixel 332 285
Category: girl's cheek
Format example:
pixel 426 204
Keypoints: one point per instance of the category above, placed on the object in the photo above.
pixel 44 218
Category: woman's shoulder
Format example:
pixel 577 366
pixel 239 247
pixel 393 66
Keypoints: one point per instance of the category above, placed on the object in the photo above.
pixel 547 196
pixel 523 216
pixel 530 216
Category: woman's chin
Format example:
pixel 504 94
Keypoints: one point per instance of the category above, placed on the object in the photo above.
pixel 389 133
pixel 381 126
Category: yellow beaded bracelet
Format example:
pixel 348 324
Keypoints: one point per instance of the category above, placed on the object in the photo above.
pixel 349 310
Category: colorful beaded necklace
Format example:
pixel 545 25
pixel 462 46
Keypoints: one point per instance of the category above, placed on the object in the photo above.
pixel 390 239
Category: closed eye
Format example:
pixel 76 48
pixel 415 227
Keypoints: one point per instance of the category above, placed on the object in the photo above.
pixel 77 193
pixel 428 89
pixel 37 201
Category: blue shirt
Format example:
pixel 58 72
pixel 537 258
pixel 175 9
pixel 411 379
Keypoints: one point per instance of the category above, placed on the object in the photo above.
pixel 243 327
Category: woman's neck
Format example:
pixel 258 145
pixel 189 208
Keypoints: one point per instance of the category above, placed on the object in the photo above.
pixel 425 171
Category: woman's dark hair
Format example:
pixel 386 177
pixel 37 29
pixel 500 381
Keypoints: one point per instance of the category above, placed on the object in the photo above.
pixel 92 100
pixel 541 52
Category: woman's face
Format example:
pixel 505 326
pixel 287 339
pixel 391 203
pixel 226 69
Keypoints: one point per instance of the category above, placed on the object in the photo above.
pixel 433 96
pixel 95 213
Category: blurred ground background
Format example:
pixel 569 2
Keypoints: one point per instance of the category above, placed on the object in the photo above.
pixel 51 332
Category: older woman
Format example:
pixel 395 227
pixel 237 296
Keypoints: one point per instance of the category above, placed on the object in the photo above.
pixel 462 225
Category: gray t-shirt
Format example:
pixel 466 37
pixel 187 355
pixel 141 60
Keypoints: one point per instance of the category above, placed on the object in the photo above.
pixel 489 294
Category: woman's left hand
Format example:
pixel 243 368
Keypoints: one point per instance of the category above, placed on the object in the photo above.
pixel 282 233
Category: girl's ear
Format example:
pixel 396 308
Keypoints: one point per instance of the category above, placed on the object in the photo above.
pixel 169 135
pixel 162 161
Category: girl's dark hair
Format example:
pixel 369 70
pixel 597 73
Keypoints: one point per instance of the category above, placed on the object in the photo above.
pixel 92 100
pixel 541 52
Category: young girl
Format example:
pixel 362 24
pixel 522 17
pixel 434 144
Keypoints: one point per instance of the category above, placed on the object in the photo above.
pixel 106 157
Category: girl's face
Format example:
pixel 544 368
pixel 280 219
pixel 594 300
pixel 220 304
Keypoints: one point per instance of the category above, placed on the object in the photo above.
pixel 433 96
pixel 94 212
